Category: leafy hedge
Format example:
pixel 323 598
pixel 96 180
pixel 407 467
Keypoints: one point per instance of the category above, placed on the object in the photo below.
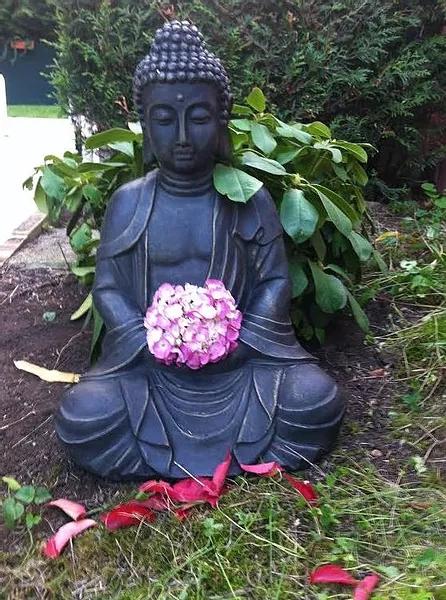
pixel 316 181
pixel 27 19
pixel 372 71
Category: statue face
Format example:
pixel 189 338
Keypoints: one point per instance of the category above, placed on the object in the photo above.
pixel 182 123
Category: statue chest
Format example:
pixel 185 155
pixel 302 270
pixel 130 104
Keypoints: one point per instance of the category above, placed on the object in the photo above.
pixel 180 237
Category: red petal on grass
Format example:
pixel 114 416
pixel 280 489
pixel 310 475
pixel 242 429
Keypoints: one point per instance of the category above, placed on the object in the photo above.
pixel 155 487
pixel 127 515
pixel 303 487
pixel 157 502
pixel 200 489
pixel 55 544
pixel 365 587
pixel 332 574
pixel 221 472
pixel 263 469
pixel 72 509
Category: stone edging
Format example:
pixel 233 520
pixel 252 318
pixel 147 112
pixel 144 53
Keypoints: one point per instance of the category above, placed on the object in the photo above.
pixel 28 230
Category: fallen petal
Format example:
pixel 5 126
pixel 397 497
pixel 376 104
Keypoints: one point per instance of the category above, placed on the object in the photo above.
pixel 155 487
pixel 55 544
pixel 193 490
pixel 221 472
pixel 303 487
pixel 157 502
pixel 263 469
pixel 366 586
pixel 72 509
pixel 127 515
pixel 332 574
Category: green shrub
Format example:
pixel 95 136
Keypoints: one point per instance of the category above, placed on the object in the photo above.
pixel 372 71
pixel 316 181
pixel 28 19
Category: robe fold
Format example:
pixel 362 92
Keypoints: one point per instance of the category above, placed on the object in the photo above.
pixel 180 418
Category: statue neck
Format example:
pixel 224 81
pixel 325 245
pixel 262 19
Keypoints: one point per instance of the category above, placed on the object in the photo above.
pixel 185 185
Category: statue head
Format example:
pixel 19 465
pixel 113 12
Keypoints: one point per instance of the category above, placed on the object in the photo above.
pixel 182 95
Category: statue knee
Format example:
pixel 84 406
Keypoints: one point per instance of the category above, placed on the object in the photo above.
pixel 87 409
pixel 311 394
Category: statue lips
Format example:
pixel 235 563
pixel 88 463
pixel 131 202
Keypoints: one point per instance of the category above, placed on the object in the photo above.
pixel 183 152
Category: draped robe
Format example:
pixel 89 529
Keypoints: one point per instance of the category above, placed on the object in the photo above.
pixel 171 421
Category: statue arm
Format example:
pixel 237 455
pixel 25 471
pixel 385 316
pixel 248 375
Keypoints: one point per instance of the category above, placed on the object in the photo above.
pixel 266 324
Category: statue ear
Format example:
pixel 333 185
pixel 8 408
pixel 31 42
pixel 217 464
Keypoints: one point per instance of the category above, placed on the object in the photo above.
pixel 224 150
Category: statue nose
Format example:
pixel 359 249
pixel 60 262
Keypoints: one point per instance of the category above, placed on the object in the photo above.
pixel 182 133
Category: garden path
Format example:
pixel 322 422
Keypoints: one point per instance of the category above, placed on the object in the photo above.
pixel 23 145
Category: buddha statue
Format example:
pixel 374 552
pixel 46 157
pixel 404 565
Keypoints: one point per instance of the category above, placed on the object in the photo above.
pixel 132 417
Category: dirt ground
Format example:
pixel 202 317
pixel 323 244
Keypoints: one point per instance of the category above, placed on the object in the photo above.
pixel 30 451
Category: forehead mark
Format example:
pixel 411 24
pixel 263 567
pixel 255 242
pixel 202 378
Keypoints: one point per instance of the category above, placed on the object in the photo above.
pixel 180 97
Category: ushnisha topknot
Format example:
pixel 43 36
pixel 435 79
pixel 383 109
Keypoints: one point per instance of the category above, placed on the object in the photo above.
pixel 179 53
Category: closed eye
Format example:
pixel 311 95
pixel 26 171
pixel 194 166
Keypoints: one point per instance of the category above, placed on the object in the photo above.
pixel 200 115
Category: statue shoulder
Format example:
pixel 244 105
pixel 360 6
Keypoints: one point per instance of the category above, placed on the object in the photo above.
pixel 126 215
pixel 258 218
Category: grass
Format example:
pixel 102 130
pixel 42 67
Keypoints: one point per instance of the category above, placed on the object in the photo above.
pixel 33 111
pixel 263 540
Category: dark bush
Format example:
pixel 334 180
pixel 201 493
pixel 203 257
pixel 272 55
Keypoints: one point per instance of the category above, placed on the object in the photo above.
pixel 374 71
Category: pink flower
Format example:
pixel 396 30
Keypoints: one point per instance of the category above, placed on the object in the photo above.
pixel 192 325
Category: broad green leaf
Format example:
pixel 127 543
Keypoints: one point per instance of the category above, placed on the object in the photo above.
pixel 92 193
pixel 28 183
pixel 340 202
pixel 53 185
pixel 256 99
pixel 83 271
pixel 299 279
pixel 12 512
pixel 239 109
pixel 31 520
pixel 13 484
pixel 440 202
pixel 292 131
pixel 286 154
pixel 358 313
pixel 319 129
pixel 331 294
pixel 111 136
pixel 242 124
pixel 361 246
pixel 262 138
pixel 40 198
pixel 61 166
pixel 336 154
pixel 234 183
pixel 90 167
pixel 359 173
pixel 80 237
pixel 83 308
pixel 42 495
pixel 298 216
pixel 238 138
pixel 334 214
pixel 73 198
pixel 124 147
pixel 98 325
pixel 26 494
pixel 340 171
pixel 339 271
pixel 355 149
pixel 317 241
pixel 251 159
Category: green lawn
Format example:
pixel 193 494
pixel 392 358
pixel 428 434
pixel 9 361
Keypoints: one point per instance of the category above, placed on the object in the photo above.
pixel 28 110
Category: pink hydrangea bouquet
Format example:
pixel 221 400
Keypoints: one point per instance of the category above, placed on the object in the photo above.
pixel 192 325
